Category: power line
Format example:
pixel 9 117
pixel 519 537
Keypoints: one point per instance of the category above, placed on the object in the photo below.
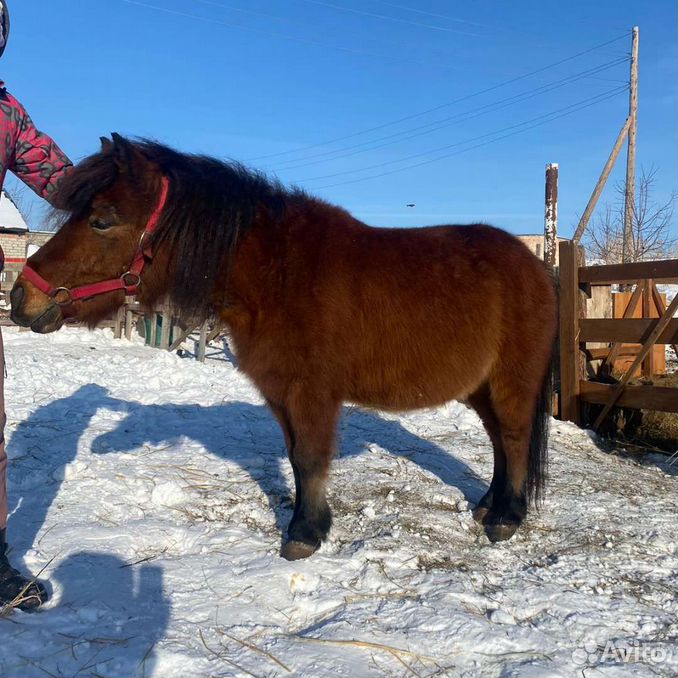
pixel 433 14
pixel 465 150
pixel 511 28
pixel 436 125
pixel 394 19
pixel 213 3
pixel 440 106
pixel 312 24
pixel 276 34
pixel 545 117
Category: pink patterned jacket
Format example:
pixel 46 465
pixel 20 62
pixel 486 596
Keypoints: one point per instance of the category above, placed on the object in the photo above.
pixel 27 152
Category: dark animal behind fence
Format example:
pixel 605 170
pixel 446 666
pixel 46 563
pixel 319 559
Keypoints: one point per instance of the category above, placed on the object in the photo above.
pixel 322 309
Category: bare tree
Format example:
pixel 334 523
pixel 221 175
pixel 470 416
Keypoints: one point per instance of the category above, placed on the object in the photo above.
pixel 651 228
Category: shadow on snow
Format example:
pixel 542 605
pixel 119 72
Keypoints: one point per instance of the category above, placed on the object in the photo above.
pixel 47 441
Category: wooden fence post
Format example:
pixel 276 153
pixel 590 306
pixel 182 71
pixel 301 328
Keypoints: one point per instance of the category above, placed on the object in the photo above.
pixel 129 319
pixel 569 332
pixel 154 329
pixel 551 215
pixel 202 343
pixel 166 316
pixel 119 322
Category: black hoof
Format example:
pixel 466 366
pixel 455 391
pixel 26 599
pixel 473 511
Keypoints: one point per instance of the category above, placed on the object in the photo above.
pixel 498 528
pixel 297 550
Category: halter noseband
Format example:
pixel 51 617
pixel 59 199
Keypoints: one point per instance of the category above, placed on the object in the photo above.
pixel 128 281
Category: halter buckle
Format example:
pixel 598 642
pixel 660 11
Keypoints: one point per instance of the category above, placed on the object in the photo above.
pixel 61 296
pixel 135 279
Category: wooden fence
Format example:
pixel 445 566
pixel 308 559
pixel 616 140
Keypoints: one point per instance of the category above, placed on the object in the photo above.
pixel 163 330
pixel 576 330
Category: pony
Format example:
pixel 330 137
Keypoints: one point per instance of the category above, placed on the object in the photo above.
pixel 322 309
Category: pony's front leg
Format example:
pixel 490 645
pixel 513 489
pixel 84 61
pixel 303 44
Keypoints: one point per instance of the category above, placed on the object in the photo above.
pixel 309 425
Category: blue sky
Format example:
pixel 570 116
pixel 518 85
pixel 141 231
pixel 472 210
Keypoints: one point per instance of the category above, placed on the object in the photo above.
pixel 275 82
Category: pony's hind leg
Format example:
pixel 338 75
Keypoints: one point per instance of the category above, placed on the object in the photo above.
pixel 481 402
pixel 309 426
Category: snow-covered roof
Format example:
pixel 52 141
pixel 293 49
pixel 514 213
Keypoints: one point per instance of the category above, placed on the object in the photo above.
pixel 10 217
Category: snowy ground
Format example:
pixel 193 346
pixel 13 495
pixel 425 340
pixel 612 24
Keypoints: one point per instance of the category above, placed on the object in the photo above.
pixel 153 491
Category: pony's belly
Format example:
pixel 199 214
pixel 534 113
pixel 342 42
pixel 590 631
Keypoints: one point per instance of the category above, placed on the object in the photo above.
pixel 395 390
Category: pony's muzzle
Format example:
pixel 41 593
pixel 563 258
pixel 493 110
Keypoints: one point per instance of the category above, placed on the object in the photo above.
pixel 32 308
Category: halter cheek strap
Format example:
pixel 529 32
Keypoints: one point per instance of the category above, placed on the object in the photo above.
pixel 129 281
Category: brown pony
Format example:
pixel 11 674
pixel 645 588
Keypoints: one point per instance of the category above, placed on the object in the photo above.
pixel 322 308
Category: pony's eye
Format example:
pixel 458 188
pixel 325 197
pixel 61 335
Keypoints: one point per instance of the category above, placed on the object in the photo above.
pixel 100 224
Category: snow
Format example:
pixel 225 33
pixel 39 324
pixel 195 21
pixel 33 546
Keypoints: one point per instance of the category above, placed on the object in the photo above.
pixel 153 489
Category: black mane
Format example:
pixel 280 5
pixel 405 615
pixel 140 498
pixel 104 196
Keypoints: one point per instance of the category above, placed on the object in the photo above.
pixel 210 205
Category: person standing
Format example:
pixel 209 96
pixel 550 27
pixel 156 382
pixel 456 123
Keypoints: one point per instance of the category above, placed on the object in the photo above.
pixel 35 159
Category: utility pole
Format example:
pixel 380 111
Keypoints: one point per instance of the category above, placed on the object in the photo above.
pixel 630 193
pixel 551 215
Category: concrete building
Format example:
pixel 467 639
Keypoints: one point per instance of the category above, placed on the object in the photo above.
pixel 536 244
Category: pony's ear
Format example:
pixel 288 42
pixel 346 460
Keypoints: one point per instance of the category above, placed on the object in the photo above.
pixel 123 153
pixel 106 144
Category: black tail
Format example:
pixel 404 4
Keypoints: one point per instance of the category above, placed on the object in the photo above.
pixel 538 455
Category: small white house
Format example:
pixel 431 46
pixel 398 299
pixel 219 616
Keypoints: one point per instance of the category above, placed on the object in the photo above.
pixel 17 242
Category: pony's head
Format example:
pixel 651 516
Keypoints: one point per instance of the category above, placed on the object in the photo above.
pixel 108 199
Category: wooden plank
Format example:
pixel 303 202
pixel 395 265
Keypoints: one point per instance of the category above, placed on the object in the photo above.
pixel 647 346
pixel 640 397
pixel 165 329
pixel 602 353
pixel 620 304
pixel 661 307
pixel 184 335
pixel 628 312
pixel 601 181
pixel 648 366
pixel 129 322
pixel 568 331
pixel 154 328
pixel 582 296
pixel 628 330
pixel 216 331
pixel 119 322
pixel 202 343
pixel 551 216
pixel 664 270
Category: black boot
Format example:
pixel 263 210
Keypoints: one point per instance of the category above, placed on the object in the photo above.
pixel 15 589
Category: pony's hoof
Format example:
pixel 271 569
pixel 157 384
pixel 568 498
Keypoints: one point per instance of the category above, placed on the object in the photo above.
pixel 297 550
pixel 479 513
pixel 500 531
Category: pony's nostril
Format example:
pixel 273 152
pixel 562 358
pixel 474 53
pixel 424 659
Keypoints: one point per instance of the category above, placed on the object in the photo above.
pixel 16 296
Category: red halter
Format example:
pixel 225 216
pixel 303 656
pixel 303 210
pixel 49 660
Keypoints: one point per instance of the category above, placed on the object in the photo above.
pixel 128 281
